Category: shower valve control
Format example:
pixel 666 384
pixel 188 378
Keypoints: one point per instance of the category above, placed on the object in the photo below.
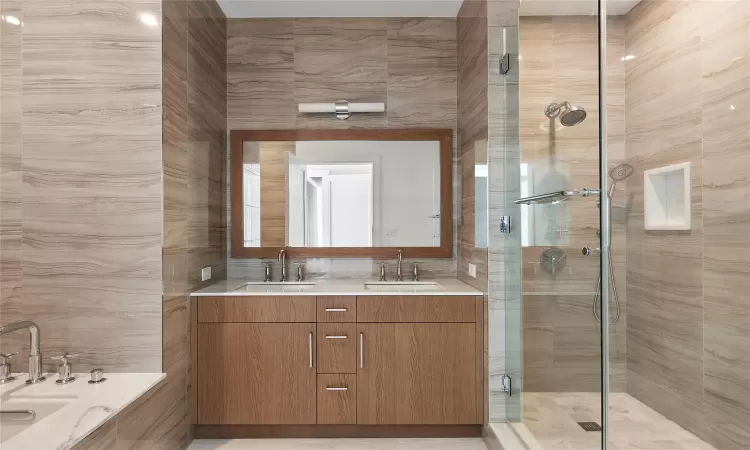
pixel 588 251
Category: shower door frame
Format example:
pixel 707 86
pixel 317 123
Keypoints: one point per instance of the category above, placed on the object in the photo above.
pixel 605 220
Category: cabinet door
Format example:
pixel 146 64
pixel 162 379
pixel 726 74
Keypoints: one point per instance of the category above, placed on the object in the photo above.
pixel 256 373
pixel 411 373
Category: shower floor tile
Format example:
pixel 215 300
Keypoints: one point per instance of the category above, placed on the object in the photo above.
pixel 552 417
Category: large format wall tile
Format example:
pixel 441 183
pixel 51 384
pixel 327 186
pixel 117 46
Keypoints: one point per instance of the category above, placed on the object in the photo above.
pixel 560 63
pixel 410 64
pixel 91 195
pixel 687 291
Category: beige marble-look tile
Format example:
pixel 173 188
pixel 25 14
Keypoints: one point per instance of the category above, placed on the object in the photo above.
pixel 340 59
pixel 726 383
pixel 421 72
pixel 260 74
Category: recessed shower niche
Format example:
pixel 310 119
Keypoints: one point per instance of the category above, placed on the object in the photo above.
pixel 666 197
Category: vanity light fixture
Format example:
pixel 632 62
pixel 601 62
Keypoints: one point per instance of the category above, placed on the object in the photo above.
pixel 341 109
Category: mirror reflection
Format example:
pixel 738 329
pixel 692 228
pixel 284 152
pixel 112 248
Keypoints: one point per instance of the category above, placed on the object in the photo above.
pixel 341 194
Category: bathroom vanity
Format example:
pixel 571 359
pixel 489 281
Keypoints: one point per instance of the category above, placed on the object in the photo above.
pixel 352 359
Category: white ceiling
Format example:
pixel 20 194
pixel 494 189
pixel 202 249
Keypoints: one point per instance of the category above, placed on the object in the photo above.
pixel 405 8
pixel 574 7
pixel 340 8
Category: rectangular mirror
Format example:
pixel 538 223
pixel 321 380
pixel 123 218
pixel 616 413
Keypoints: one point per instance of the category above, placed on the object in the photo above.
pixel 342 193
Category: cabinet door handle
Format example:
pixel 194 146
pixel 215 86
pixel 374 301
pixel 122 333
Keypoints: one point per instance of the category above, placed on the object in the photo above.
pixel 309 347
pixel 336 310
pixel 336 337
pixel 361 350
pixel 337 389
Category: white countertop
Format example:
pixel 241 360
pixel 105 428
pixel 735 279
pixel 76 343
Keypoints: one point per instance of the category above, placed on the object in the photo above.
pixel 447 286
pixel 93 406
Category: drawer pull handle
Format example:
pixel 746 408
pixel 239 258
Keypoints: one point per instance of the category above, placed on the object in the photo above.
pixel 337 389
pixel 309 346
pixel 336 310
pixel 361 351
pixel 337 337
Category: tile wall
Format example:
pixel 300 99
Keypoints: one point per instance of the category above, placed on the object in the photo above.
pixel 561 336
pixel 195 111
pixel 688 304
pixel 81 180
pixel 410 64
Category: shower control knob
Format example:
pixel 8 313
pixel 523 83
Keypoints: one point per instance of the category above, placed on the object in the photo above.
pixel 97 376
pixel 588 251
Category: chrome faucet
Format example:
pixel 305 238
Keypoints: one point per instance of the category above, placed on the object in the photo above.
pixel 382 272
pixel 35 353
pixel 399 275
pixel 282 260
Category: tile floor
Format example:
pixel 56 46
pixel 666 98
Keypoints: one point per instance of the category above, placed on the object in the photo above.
pixel 551 418
pixel 339 444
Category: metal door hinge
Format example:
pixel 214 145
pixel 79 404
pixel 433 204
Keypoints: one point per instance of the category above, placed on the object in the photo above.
pixel 507 385
pixel 505 224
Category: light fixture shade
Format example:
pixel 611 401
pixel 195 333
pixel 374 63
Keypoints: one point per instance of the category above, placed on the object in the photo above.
pixel 342 108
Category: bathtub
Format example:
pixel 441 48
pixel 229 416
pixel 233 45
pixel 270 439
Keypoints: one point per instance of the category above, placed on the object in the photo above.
pixel 65 414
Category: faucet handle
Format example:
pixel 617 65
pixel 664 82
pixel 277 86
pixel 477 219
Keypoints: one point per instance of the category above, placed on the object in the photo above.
pixel 300 274
pixel 5 357
pixel 64 372
pixel 64 358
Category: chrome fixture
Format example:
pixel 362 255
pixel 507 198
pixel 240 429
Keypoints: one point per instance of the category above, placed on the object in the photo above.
pixel 553 260
pixel 556 197
pixel 300 275
pixel 382 272
pixel 505 224
pixel 588 251
pixel 64 372
pixel 619 173
pixel 416 272
pixel 267 272
pixel 35 353
pixel 282 260
pixel 97 376
pixel 399 258
pixel 26 414
pixel 569 115
pixel 341 109
pixel 5 368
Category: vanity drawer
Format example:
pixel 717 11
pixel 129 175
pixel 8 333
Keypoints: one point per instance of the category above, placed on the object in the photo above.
pixel 337 399
pixel 337 309
pixel 290 308
pixel 416 308
pixel 337 348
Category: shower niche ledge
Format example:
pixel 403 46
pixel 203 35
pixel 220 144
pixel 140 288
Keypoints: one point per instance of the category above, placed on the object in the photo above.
pixel 666 197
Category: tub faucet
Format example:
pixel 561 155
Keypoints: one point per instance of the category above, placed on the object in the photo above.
pixel 282 260
pixel 35 353
pixel 399 274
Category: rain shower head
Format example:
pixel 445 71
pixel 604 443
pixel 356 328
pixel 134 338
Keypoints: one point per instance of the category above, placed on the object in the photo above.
pixel 569 115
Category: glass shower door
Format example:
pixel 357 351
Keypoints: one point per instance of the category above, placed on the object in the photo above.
pixel 545 274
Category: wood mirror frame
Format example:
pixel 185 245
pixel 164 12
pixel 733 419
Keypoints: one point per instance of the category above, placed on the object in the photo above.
pixel 445 137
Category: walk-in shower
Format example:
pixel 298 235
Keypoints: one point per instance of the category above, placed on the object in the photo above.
pixel 568 114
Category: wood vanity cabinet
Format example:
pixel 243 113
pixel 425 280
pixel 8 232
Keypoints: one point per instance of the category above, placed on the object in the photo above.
pixel 416 373
pixel 368 360
pixel 257 360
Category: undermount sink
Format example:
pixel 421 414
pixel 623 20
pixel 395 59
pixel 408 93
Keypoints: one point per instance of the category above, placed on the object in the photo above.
pixel 403 286
pixel 15 411
pixel 285 286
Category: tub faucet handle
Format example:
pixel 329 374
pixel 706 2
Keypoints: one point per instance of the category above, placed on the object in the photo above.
pixel 64 372
pixel 5 368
